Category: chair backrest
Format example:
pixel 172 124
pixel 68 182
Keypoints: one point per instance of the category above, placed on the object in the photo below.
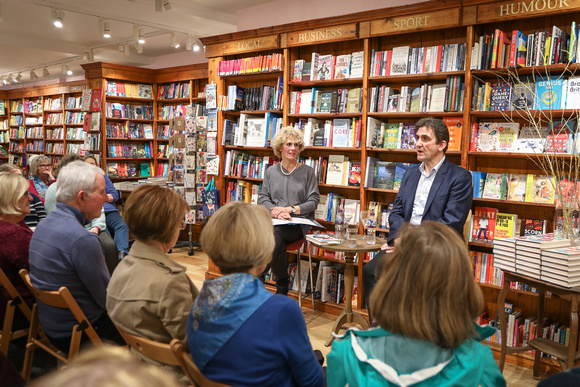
pixel 193 373
pixel 16 301
pixel 62 299
pixel 159 352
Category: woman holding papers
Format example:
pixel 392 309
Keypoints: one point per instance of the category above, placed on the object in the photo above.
pixel 289 190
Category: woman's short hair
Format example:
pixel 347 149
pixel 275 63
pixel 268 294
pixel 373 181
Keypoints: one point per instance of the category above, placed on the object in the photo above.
pixel 238 237
pixel 12 187
pixel 283 135
pixel 153 213
pixel 75 177
pixel 35 161
pixel 107 366
pixel 426 289
pixel 7 167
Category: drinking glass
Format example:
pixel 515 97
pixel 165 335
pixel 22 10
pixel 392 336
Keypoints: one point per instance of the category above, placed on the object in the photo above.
pixel 351 234
pixel 364 219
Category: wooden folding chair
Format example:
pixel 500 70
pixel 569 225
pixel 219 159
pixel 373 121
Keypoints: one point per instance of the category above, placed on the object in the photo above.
pixel 159 352
pixel 189 367
pixel 59 299
pixel 16 301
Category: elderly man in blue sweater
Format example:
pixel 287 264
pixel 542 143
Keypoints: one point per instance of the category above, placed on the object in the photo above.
pixel 64 253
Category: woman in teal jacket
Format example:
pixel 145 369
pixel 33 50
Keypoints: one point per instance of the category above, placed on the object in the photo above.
pixel 424 303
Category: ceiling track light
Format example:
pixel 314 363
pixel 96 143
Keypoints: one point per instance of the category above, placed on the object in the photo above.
pixel 4 81
pixel 158 5
pixel 188 42
pixel 45 73
pixel 68 71
pixel 15 79
pixel 90 55
pixel 33 75
pixel 19 77
pixel 196 47
pixel 63 69
pixel 105 28
pixel 57 18
pixel 126 51
pixel 139 48
pixel 135 32
pixel 166 5
pixel 141 39
pixel 174 42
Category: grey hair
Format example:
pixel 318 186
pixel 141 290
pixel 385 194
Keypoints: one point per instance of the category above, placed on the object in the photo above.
pixel 34 162
pixel 75 177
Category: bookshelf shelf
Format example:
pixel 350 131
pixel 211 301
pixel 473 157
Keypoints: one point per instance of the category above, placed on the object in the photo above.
pixel 414 78
pixel 327 83
pixel 512 202
pixel 253 77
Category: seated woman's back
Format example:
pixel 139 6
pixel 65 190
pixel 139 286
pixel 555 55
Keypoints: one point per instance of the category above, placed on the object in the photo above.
pixel 424 303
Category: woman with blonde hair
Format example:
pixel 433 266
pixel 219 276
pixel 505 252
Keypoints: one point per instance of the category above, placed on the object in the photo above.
pixel 290 189
pixel 41 175
pixel 238 332
pixel 424 302
pixel 15 238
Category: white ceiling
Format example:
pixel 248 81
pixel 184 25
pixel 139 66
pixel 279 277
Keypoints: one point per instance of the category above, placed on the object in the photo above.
pixel 28 41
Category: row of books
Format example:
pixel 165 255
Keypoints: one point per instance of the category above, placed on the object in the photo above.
pixel 484 270
pixel 33 120
pixel 328 66
pixel 315 100
pixel 557 137
pixel 74 133
pixel 540 48
pixel 339 132
pixel 73 103
pixel 92 142
pixel 55 148
pixel 264 97
pixel 378 214
pixel 129 150
pixel 174 90
pixel 35 146
pixel 129 129
pixel 488 224
pixel 251 130
pixel 119 110
pixel 53 103
pixel 17 147
pixel 241 164
pixel 518 187
pixel 4 136
pixel 16 120
pixel 131 90
pixel 527 93
pixel 245 191
pixel 418 60
pixel 330 203
pixel 250 65
pixel 56 119
pixel 168 112
pixel 34 132
pixel 384 174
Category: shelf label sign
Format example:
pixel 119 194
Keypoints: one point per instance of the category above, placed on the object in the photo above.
pixel 326 34
pixel 509 10
pixel 421 21
pixel 252 44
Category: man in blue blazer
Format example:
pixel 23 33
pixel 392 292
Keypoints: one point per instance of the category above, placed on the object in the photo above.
pixel 435 190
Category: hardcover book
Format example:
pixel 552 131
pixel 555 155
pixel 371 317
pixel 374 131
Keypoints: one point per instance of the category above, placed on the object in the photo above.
pixel 522 94
pixel 573 93
pixel 548 93
pixel 505 225
pixel 495 186
pixel 560 136
pixel 385 174
pixel 478 181
pixel 342 67
pixel 298 66
pixel 408 140
pixel 325 69
pixel 393 132
pixel 454 125
pixel 488 137
pixel 400 170
pixel 340 131
pixel 400 60
pixel 356 64
pixel 335 170
pixel 500 96
pixel 483 224
pixel 508 136
pixel 354 175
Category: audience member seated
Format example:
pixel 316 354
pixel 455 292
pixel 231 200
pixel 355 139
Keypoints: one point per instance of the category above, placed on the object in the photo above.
pixel 37 210
pixel 63 253
pixel 569 378
pixel 41 175
pixel 14 240
pixel 425 302
pixel 115 224
pixel 107 366
pixel 238 332
pixel 150 295
pixel 96 226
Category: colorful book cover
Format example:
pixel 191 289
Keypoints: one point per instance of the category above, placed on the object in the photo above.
pixel 540 189
pixel 560 136
pixel 548 93
pixel 522 94
pixel 384 174
pixel 455 127
pixel 478 182
pixel 483 224
pixel 400 170
pixel 500 96
pixel 508 136
pixel 488 137
pixel 393 132
pixel 505 225
pixel 298 66
pixel 354 175
pixel 408 140
pixel 339 132
pixel 517 184
pixel 495 186
pixel 566 191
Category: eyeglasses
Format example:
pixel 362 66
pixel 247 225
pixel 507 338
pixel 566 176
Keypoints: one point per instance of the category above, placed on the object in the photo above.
pixel 45 166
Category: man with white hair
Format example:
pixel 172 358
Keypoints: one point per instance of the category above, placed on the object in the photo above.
pixel 64 253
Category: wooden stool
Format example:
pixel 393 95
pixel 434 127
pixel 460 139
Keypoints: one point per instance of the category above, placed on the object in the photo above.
pixel 295 247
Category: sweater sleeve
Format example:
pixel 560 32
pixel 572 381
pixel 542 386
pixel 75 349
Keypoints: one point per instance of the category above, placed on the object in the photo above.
pixel 335 371
pixel 492 376
pixel 312 195
pixel 89 263
pixel 295 343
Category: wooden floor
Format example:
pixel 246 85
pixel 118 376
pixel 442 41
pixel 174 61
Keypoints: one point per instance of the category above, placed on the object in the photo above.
pixel 320 324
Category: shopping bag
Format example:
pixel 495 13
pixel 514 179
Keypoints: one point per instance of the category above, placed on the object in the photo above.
pixel 210 197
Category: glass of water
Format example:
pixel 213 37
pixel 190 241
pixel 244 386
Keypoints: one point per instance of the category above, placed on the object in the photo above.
pixel 351 234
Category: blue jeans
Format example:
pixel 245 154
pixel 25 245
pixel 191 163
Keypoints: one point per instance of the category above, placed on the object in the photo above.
pixel 117 228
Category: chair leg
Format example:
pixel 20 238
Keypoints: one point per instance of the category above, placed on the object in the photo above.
pixel 30 346
pixel 7 328
pixel 299 281
pixel 311 276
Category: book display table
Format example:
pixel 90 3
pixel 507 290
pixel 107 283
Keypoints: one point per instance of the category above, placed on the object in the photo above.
pixel 347 315
pixel 566 355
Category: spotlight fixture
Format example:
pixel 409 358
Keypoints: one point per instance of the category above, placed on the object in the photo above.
pixel 33 75
pixel 63 69
pixel 166 5
pixel 141 36
pixel 158 5
pixel 105 28
pixel 15 79
pixel 196 47
pixel 139 48
pixel 68 71
pixel 135 32
pixel 19 77
pixel 121 48
pixel 45 73
pixel 188 42
pixel 90 55
pixel 4 81
pixel 57 18
pixel 126 50
pixel 174 42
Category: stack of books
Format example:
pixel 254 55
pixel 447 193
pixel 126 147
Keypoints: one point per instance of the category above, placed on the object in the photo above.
pixel 561 266
pixel 529 250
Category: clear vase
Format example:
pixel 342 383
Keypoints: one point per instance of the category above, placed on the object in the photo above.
pixel 566 223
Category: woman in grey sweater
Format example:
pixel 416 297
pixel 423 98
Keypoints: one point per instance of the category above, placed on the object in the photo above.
pixel 289 190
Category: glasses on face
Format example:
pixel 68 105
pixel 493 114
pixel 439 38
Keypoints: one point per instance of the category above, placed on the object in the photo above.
pixel 45 166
